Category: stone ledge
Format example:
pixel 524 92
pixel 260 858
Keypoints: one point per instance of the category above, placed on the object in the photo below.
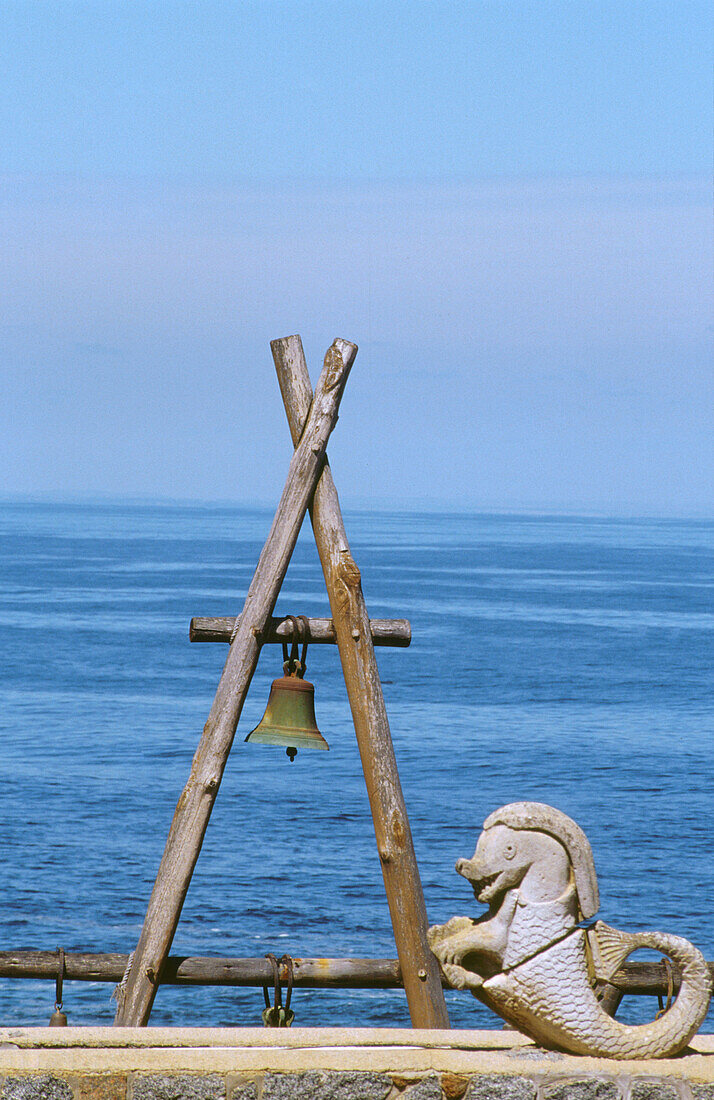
pixel 328 1064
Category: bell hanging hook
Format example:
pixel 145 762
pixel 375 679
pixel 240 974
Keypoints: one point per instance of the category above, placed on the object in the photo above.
pixel 277 1014
pixel 292 664
pixel 58 1017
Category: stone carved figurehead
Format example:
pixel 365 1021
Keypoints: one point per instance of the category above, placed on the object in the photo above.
pixel 528 959
pixel 507 859
pixel 537 849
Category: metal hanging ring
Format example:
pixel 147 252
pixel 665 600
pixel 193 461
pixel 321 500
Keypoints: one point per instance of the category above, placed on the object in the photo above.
pixel 670 988
pixel 304 629
pixel 289 967
pixel 294 658
pixel 278 996
pixel 289 662
pixel 60 979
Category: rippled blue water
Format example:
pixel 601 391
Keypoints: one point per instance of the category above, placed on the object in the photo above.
pixel 567 660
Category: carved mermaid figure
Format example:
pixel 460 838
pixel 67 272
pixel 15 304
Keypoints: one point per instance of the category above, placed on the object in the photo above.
pixel 528 960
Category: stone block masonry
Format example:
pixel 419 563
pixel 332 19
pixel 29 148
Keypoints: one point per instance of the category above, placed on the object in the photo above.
pixel 328 1064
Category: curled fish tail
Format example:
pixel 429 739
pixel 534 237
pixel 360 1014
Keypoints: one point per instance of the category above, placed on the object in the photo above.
pixel 550 996
pixel 672 1031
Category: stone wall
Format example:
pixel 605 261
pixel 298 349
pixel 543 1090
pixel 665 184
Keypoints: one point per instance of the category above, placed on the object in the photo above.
pixel 327 1064
pixel 342 1085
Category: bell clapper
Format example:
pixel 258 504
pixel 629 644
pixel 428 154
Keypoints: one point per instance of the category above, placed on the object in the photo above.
pixel 291 753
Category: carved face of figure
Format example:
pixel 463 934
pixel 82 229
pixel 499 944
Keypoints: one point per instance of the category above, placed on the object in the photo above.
pixel 499 863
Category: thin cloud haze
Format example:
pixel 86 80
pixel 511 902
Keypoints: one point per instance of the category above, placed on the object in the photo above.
pixel 517 338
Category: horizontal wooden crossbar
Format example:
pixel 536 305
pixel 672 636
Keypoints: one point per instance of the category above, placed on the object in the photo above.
pixel 639 978
pixel 387 632
pixel 196 970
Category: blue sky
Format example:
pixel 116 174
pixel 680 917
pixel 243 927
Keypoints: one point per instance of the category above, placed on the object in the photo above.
pixel 506 205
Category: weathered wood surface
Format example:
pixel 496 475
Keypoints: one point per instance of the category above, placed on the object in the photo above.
pixel 196 802
pixel 79 966
pixel 609 996
pixel 420 970
pixel 197 970
pixel 634 978
pixel 386 632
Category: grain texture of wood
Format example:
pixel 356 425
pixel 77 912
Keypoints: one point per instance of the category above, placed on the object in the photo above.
pixel 634 978
pixel 419 967
pixel 196 802
pixel 321 973
pixel 609 996
pixel 386 632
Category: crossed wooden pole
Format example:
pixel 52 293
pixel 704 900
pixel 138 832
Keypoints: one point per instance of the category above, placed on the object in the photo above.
pixel 309 484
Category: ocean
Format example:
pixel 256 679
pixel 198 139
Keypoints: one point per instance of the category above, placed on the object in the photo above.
pixel 562 659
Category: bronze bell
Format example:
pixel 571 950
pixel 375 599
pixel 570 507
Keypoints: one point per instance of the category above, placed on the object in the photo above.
pixel 289 718
pixel 58 1018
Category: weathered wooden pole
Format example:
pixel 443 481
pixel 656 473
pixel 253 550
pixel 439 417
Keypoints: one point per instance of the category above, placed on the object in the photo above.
pixel 219 628
pixel 196 802
pixel 321 973
pixel 633 978
pixel 420 969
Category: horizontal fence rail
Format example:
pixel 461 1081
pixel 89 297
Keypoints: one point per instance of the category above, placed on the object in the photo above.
pixel 638 978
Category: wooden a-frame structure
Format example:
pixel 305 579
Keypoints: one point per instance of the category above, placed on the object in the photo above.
pixel 310 486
